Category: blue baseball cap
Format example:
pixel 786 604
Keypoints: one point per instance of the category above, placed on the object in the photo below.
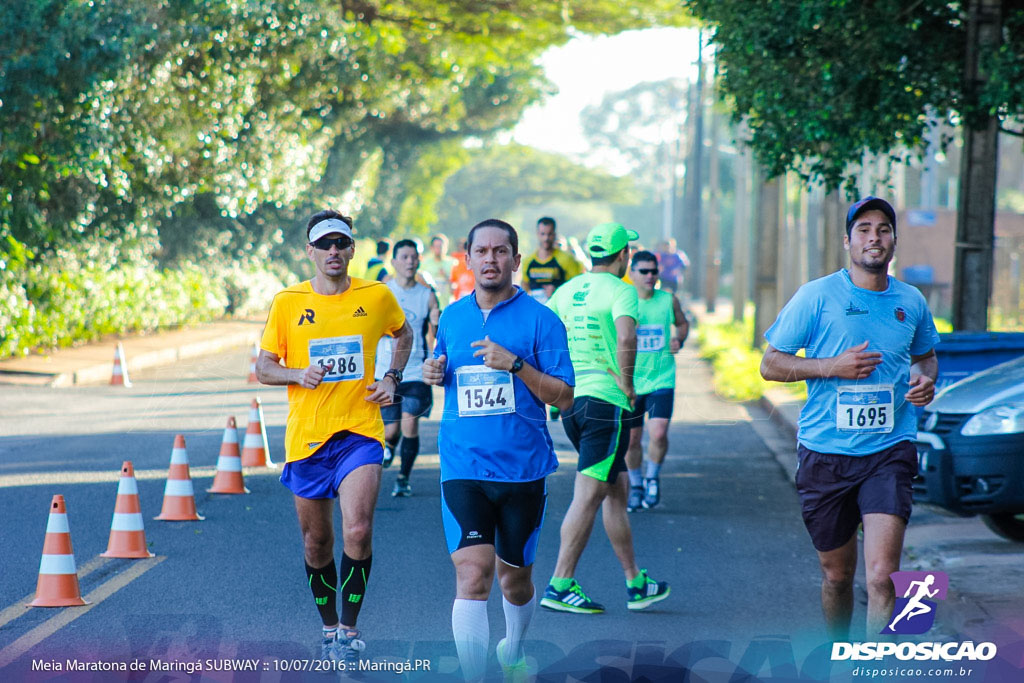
pixel 870 203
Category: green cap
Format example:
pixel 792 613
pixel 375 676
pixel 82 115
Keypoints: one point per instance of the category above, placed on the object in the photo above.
pixel 608 239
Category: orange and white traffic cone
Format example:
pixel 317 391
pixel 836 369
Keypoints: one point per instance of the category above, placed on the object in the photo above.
pixel 120 374
pixel 179 496
pixel 229 464
pixel 58 577
pixel 127 536
pixel 254 450
pixel 252 363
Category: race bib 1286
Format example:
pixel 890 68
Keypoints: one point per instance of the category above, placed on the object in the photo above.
pixel 340 357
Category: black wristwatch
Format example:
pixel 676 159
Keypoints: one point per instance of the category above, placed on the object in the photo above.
pixel 397 374
pixel 517 365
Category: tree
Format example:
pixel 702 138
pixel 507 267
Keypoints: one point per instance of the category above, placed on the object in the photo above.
pixel 821 84
pixel 498 179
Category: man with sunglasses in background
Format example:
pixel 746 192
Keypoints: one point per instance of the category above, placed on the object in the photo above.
pixel 321 340
pixel 654 377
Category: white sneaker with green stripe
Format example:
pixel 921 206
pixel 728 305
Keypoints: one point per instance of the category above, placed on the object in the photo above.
pixel 572 599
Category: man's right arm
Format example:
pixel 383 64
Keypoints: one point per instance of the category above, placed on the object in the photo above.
pixel 853 363
pixel 270 371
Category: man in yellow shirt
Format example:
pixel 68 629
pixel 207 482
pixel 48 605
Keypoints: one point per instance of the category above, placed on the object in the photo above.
pixel 321 340
pixel 546 269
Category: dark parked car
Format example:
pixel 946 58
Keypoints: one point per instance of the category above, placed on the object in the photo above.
pixel 970 449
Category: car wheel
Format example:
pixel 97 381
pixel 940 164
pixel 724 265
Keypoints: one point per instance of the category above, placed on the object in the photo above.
pixel 1006 525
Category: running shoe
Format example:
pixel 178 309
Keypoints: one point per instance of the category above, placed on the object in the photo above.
pixel 389 457
pixel 515 672
pixel 573 599
pixel 554 413
pixel 351 647
pixel 636 498
pixel 331 649
pixel 652 492
pixel 649 593
pixel 402 488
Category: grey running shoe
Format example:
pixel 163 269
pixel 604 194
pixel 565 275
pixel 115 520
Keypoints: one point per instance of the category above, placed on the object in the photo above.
pixel 352 647
pixel 331 649
pixel 636 498
pixel 652 492
pixel 402 488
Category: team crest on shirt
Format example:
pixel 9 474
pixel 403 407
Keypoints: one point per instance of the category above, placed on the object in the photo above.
pixel 901 315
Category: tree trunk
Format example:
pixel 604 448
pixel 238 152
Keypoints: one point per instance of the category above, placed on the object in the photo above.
pixel 766 293
pixel 741 234
pixel 975 225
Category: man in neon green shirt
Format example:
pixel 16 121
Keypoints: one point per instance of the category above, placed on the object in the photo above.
pixel 654 377
pixel 599 312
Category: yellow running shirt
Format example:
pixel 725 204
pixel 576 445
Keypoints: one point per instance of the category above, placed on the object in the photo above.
pixel 340 333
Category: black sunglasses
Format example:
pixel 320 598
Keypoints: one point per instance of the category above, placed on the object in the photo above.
pixel 647 271
pixel 326 243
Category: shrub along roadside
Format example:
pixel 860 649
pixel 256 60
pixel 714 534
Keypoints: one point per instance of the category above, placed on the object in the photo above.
pixel 737 366
pixel 68 298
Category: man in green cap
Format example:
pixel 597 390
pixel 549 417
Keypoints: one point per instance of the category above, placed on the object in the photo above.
pixel 600 311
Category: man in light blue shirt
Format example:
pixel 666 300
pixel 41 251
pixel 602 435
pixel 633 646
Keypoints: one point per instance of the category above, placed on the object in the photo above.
pixel 868 340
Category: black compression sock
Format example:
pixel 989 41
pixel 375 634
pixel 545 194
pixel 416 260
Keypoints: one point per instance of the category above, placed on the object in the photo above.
pixel 354 575
pixel 410 449
pixel 323 582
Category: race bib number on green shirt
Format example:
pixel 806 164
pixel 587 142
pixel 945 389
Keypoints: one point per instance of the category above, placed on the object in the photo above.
pixel 484 391
pixel 865 409
pixel 650 338
pixel 340 357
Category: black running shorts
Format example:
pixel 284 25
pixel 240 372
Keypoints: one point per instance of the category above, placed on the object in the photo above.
pixel 507 515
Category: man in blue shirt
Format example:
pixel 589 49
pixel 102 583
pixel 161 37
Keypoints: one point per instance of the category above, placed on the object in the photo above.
pixel 869 342
pixel 501 356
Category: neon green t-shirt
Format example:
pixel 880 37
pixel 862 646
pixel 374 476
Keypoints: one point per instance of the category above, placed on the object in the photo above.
pixel 655 365
pixel 588 305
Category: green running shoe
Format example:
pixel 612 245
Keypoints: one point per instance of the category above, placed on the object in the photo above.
pixel 649 593
pixel 573 599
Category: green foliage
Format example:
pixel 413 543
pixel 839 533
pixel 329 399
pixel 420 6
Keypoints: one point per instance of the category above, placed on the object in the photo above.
pixel 144 145
pixel 737 375
pixel 499 178
pixel 787 69
pixel 69 297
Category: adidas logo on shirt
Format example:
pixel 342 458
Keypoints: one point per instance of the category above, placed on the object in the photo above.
pixel 360 313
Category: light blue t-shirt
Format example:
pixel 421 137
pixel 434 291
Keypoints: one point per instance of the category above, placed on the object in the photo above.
pixel 826 317
pixel 479 438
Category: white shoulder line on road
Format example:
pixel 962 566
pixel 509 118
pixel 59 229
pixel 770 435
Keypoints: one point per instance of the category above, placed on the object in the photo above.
pixel 105 476
pixel 69 614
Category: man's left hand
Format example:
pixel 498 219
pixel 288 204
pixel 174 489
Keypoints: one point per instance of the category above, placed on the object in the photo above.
pixel 674 345
pixel 922 390
pixel 495 357
pixel 382 391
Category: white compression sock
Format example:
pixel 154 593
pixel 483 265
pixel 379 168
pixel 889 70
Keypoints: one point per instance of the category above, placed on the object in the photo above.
pixel 517 620
pixel 469 625
pixel 635 477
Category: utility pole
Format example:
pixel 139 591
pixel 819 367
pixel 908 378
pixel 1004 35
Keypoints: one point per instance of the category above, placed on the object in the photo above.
pixel 713 252
pixel 690 221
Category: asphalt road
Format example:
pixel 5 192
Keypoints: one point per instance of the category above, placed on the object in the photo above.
pixel 728 537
